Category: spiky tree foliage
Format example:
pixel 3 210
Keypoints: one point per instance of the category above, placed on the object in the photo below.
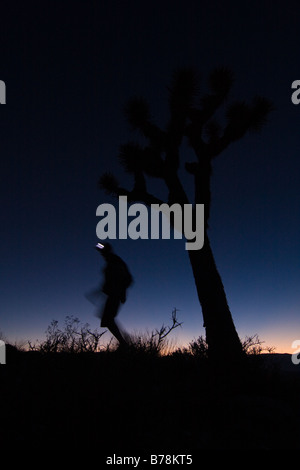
pixel 192 117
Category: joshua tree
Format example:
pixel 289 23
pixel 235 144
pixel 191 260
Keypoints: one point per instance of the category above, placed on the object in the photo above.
pixel 194 118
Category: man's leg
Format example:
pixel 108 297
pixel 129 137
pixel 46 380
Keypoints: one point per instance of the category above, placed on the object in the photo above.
pixel 110 310
pixel 108 319
pixel 114 329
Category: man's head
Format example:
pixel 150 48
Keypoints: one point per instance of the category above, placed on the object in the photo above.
pixel 104 249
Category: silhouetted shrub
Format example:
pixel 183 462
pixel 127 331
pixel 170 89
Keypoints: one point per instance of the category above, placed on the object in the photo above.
pixel 199 348
pixel 252 345
pixel 73 338
pixel 156 342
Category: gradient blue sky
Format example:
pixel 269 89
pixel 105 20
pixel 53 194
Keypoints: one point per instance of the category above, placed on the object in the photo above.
pixel 69 68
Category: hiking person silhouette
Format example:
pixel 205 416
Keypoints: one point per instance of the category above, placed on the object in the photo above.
pixel 117 279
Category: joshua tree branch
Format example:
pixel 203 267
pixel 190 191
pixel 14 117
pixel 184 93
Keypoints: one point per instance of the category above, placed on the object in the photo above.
pixel 111 186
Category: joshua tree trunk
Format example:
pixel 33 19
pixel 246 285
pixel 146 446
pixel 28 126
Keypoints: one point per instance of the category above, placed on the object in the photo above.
pixel 161 159
pixel 221 335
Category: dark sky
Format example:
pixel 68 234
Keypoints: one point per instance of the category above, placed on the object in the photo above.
pixel 69 69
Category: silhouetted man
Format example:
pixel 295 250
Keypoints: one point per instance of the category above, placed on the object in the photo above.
pixel 116 282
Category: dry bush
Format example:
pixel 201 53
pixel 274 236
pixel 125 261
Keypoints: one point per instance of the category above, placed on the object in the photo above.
pixel 73 338
pixel 155 343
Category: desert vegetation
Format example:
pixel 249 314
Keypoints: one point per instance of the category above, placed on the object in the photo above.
pixel 75 337
pixel 76 389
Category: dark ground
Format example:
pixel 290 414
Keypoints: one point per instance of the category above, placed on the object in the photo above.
pixel 116 402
